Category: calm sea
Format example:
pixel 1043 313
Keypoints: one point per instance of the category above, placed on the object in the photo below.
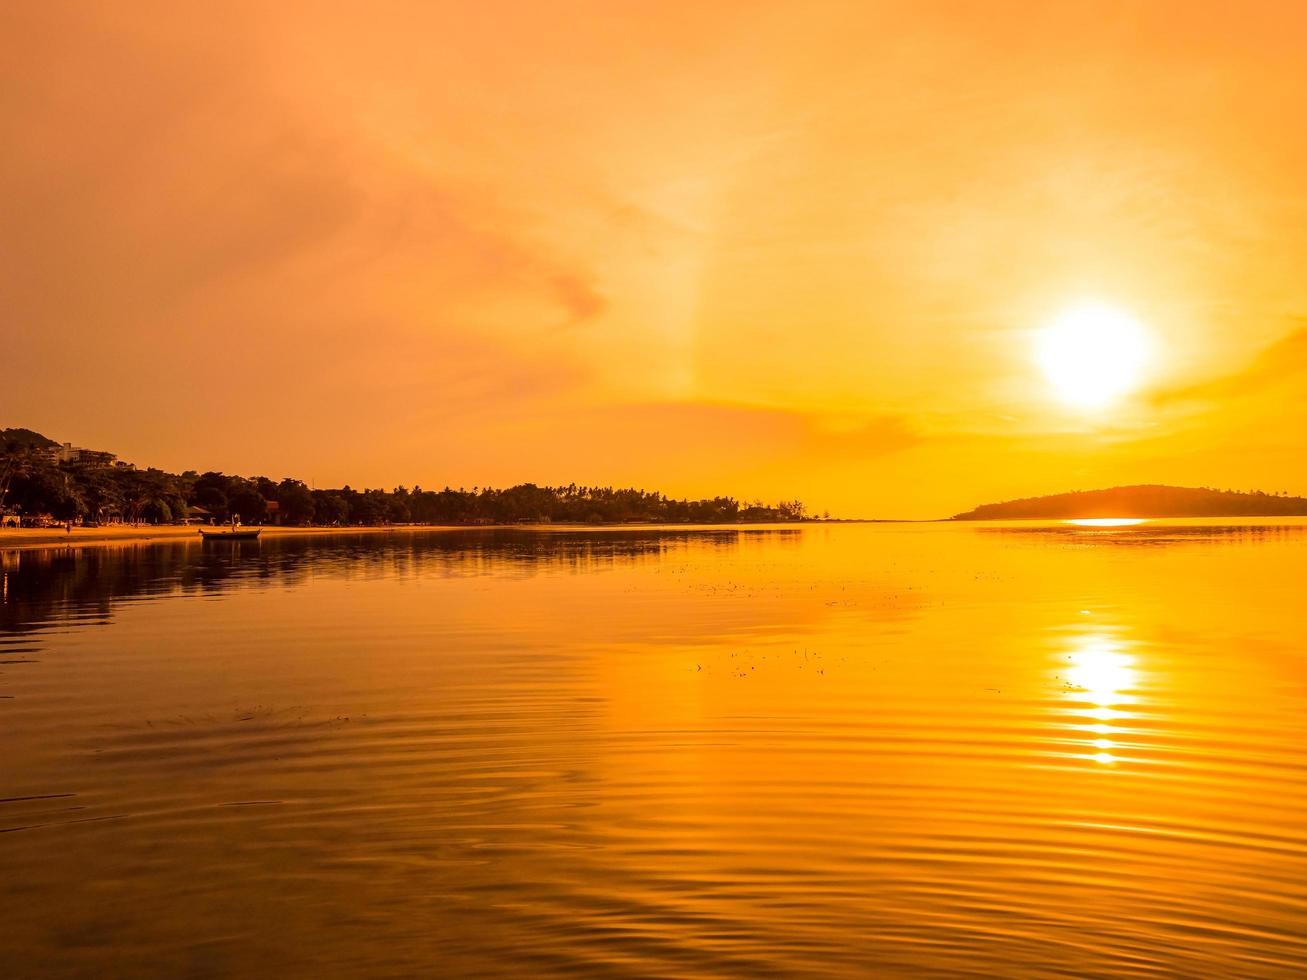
pixel 827 751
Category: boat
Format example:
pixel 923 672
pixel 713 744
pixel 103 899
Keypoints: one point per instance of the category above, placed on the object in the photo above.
pixel 233 533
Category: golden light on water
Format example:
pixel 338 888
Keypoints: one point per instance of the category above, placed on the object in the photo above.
pixel 1100 679
pixel 979 747
pixel 1107 521
pixel 1092 355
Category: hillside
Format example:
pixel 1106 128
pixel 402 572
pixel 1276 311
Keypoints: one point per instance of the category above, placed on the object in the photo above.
pixel 24 439
pixel 1141 501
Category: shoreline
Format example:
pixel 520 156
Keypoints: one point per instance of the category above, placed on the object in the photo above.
pixel 44 537
pixel 14 539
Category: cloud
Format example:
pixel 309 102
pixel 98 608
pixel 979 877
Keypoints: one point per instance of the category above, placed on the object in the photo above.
pixel 579 297
pixel 172 215
pixel 704 245
pixel 1282 362
pixel 692 447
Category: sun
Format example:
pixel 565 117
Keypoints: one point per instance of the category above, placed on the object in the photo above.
pixel 1093 355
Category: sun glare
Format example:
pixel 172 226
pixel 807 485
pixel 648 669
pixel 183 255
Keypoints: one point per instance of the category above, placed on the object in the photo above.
pixel 1107 521
pixel 1092 355
pixel 1101 678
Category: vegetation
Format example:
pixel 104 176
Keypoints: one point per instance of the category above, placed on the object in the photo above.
pixel 1143 501
pixel 34 483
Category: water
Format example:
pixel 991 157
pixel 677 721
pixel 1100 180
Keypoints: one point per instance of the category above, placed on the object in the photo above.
pixel 900 750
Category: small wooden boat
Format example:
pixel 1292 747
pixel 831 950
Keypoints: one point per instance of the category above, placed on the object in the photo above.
pixel 230 533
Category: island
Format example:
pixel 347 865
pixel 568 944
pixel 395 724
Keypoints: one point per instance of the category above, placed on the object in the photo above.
pixel 1144 500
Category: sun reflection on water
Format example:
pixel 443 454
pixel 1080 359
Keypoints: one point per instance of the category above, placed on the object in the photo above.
pixel 1100 680
pixel 1107 521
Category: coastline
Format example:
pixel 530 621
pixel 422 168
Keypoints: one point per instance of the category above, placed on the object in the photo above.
pixel 14 539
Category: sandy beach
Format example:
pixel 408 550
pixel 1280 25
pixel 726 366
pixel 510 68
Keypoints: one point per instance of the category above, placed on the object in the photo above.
pixel 44 537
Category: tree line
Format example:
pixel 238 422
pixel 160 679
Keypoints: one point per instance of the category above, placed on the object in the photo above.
pixel 33 483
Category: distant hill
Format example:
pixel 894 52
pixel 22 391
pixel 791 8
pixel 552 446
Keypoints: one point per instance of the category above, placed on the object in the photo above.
pixel 1150 500
pixel 25 439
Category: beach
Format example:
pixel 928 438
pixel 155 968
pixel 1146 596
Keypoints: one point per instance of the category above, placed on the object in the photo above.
pixel 44 537
pixel 12 538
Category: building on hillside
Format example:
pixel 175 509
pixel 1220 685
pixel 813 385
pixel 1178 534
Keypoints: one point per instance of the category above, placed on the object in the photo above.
pixel 47 454
pixel 68 453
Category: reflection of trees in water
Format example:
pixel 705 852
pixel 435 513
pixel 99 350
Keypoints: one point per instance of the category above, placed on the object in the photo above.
pixel 48 583
pixel 41 587
pixel 1154 534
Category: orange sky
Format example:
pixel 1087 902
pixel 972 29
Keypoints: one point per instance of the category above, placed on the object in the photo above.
pixel 793 249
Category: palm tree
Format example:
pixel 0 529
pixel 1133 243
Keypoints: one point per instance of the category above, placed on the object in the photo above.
pixel 16 459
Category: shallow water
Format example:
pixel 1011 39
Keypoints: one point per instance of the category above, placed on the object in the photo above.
pixel 900 750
